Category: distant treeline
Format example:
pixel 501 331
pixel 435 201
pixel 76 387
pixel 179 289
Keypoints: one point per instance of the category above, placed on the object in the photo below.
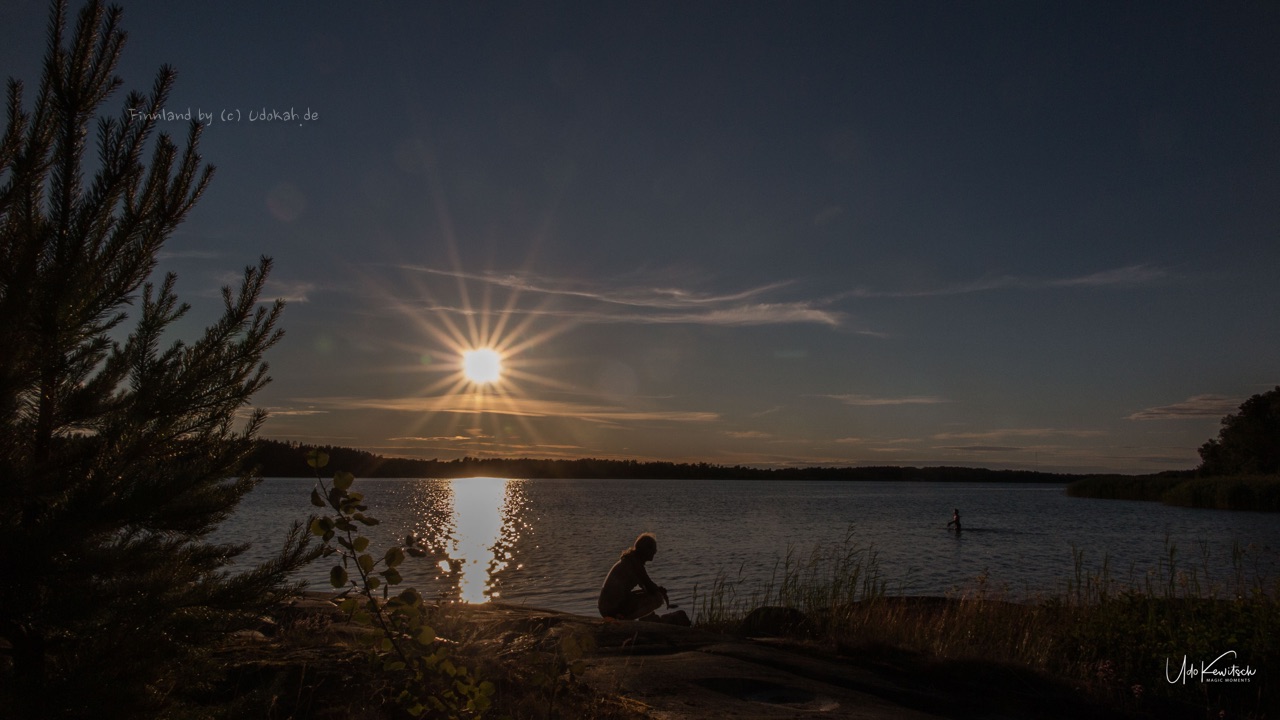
pixel 274 458
pixel 1249 492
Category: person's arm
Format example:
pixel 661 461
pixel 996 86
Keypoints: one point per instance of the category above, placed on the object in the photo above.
pixel 642 576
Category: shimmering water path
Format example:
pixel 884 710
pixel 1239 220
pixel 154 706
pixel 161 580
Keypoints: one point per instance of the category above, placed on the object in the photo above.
pixel 548 543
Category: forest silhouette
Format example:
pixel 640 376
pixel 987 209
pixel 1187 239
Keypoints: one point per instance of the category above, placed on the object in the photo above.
pixel 275 458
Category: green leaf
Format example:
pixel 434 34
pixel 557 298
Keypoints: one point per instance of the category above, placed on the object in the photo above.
pixel 321 525
pixel 349 605
pixel 569 646
pixel 337 496
pixel 393 576
pixel 366 562
pixel 426 636
pixel 360 543
pixel 338 576
pixel 316 499
pixel 394 557
pixel 342 480
pixel 374 582
pixel 317 459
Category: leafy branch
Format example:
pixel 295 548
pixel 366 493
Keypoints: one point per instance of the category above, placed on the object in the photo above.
pixel 428 679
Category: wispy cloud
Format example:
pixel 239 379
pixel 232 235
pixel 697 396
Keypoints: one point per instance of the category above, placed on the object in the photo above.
pixel 471 404
pixel 616 302
pixel 295 291
pixel 980 448
pixel 641 296
pixel 1193 408
pixel 747 434
pixel 416 447
pixel 872 401
pixel 742 315
pixel 284 411
pixel 1129 276
pixel 881 446
pixel 188 255
pixel 1018 433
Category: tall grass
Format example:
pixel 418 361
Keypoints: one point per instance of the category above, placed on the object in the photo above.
pixel 824 584
pixel 1256 492
pixel 1116 637
pixel 1124 487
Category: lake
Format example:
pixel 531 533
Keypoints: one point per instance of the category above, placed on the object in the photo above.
pixel 549 543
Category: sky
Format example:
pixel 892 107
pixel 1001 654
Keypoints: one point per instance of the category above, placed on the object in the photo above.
pixel 996 234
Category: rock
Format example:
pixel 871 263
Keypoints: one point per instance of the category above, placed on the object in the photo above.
pixel 678 617
pixel 635 669
pixel 774 621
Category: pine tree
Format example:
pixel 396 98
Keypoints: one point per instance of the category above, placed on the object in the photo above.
pixel 117 456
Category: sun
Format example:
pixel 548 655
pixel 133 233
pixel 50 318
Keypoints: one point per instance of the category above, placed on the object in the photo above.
pixel 480 356
pixel 482 366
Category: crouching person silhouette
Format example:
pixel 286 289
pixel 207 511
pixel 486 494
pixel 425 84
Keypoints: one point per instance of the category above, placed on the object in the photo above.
pixel 628 593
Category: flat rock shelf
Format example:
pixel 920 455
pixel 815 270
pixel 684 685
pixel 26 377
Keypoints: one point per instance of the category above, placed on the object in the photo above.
pixel 653 670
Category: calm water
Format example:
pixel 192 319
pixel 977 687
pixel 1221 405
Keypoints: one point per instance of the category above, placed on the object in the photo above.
pixel 548 543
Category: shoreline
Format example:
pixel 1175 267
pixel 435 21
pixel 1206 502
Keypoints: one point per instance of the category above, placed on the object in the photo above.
pixel 273 458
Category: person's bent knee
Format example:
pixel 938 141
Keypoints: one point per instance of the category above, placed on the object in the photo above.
pixel 650 602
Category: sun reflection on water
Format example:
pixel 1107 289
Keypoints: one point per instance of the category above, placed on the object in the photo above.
pixel 473 525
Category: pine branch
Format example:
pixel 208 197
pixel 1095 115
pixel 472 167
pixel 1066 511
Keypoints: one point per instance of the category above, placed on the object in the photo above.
pixel 120 457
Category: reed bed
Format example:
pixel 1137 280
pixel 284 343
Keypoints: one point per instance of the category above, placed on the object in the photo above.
pixel 1123 639
pixel 1256 492
pixel 1246 492
pixel 1124 487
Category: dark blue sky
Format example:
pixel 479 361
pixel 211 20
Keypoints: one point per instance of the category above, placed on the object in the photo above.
pixel 1002 234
